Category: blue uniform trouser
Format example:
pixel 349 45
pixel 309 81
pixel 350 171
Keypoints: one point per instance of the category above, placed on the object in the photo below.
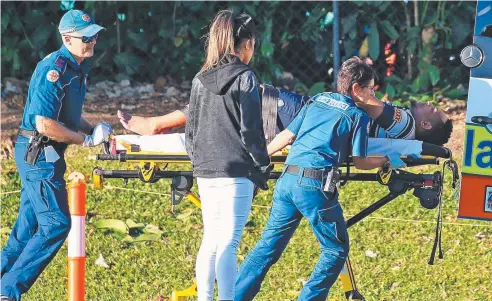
pixel 296 197
pixel 42 225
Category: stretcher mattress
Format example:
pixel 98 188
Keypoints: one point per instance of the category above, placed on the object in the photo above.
pixel 175 144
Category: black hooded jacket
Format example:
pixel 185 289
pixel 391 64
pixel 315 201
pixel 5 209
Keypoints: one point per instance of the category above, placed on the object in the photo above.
pixel 224 129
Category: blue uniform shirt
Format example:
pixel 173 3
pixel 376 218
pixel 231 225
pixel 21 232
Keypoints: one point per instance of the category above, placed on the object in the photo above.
pixel 328 130
pixel 394 122
pixel 56 90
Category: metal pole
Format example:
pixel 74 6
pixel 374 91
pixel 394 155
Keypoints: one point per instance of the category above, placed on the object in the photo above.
pixel 336 44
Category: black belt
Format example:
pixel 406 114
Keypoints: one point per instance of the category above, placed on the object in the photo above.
pixel 316 174
pixel 46 140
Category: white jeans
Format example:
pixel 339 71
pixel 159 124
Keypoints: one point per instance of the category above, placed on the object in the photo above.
pixel 226 203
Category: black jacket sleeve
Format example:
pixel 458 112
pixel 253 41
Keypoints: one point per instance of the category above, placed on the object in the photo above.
pixel 191 119
pixel 251 130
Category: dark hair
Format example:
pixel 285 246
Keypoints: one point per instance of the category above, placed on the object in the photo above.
pixel 226 34
pixel 354 70
pixel 244 28
pixel 438 135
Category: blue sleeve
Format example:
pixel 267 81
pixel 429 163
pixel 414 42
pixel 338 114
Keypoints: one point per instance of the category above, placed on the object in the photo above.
pixel 359 137
pixel 385 120
pixel 47 94
pixel 295 125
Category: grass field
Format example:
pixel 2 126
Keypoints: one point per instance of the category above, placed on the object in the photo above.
pixel 401 235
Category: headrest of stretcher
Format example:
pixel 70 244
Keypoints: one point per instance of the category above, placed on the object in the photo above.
pixel 175 144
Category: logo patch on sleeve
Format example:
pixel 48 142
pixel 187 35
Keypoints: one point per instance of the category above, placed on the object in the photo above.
pixel 398 115
pixel 52 76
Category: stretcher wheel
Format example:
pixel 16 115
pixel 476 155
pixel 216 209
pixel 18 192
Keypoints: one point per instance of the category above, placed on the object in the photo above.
pixel 97 180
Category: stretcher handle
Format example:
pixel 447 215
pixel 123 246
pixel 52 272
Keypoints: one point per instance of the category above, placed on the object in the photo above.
pixel 104 157
pixel 410 162
pixel 429 149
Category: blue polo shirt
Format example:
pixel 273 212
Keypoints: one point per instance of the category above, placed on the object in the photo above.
pixel 327 131
pixel 57 90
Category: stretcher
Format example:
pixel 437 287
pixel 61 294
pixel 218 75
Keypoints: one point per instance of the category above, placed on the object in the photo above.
pixel 150 156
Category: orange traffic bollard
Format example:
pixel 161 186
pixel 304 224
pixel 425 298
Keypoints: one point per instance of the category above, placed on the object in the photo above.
pixel 76 238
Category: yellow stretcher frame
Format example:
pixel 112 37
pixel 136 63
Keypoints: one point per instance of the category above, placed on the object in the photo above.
pixel 150 167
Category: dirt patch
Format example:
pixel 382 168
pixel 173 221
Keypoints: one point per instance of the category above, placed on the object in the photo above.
pixel 144 99
pixel 458 116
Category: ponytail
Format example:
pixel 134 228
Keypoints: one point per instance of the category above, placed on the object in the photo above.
pixel 226 34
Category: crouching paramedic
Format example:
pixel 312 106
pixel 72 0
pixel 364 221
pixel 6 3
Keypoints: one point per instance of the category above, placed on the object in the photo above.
pixel 51 121
pixel 324 133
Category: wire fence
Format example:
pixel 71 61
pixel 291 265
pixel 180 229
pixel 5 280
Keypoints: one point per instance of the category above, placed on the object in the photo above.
pixel 413 45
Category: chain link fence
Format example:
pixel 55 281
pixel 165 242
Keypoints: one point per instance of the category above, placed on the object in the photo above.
pixel 413 45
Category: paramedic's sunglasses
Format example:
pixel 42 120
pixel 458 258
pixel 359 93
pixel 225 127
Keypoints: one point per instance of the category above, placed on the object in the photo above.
pixel 371 88
pixel 86 39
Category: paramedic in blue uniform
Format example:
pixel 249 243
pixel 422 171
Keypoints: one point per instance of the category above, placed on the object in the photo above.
pixel 324 133
pixel 52 120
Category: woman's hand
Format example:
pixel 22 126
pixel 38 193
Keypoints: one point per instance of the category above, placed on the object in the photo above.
pixel 136 124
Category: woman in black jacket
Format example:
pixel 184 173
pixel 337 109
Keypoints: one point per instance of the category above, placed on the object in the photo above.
pixel 226 144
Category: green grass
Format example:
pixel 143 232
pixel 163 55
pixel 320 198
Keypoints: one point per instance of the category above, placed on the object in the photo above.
pixel 146 270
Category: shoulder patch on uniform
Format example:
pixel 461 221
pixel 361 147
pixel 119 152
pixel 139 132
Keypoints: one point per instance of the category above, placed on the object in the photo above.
pixel 52 76
pixel 60 62
pixel 332 102
pixel 398 115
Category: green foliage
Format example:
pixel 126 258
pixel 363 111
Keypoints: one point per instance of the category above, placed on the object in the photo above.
pixel 317 88
pixel 146 39
pixel 390 30
pixel 374 41
pixel 383 21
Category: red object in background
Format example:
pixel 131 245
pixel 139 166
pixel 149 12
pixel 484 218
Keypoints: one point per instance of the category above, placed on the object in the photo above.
pixel 390 57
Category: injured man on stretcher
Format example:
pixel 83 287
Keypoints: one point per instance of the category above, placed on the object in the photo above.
pixel 421 123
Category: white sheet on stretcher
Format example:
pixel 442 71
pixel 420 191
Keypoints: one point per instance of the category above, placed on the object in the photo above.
pixel 175 143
